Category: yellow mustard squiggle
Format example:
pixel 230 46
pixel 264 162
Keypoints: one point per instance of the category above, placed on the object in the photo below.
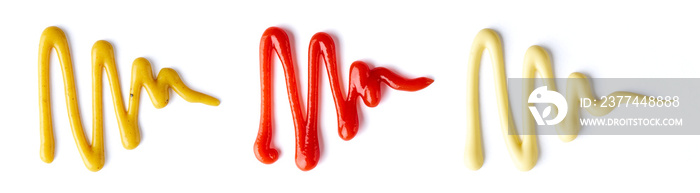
pixel 103 58
pixel 523 151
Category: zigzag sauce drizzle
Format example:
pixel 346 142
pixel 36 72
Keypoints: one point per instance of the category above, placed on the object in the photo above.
pixel 103 58
pixel 364 82
pixel 523 151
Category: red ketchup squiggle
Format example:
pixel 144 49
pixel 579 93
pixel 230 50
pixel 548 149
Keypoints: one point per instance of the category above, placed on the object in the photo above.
pixel 364 83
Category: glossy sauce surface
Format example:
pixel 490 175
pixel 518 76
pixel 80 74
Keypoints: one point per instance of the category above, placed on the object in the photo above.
pixel 158 89
pixel 523 149
pixel 364 83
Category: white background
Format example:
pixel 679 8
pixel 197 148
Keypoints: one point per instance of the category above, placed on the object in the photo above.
pixel 410 142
